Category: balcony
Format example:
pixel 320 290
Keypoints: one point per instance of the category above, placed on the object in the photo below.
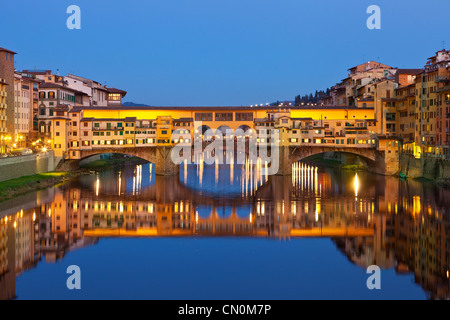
pixel 3 94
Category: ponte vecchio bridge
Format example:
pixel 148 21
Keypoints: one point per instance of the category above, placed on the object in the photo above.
pixel 151 133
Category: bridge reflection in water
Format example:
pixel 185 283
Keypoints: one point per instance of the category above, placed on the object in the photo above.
pixel 371 219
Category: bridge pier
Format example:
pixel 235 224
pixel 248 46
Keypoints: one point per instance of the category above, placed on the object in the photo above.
pixel 386 163
pixel 164 165
pixel 284 162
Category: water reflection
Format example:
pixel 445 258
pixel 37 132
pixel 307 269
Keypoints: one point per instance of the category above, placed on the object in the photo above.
pixel 371 219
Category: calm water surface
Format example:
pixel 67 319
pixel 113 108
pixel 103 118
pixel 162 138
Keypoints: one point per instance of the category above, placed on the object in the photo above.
pixel 227 232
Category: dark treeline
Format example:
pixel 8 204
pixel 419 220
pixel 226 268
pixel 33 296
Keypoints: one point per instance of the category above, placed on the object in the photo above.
pixel 311 98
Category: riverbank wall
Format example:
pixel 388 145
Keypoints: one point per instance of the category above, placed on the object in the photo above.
pixel 16 167
pixel 426 167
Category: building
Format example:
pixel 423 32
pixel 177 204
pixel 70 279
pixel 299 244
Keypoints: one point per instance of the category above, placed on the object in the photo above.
pixel 6 91
pixel 413 104
pixel 429 139
pixel 53 95
pixel 98 95
pixel 25 110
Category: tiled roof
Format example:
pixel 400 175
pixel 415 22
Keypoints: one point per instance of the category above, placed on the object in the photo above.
pixel 115 90
pixel 409 71
pixel 3 49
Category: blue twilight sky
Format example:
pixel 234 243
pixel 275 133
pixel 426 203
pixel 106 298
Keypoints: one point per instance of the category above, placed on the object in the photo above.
pixel 220 52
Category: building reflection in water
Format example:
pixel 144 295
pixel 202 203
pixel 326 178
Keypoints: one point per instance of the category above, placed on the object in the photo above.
pixel 371 219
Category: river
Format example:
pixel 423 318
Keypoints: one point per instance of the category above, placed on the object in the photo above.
pixel 227 232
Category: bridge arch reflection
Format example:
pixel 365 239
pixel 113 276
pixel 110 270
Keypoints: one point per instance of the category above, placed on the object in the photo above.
pixel 386 224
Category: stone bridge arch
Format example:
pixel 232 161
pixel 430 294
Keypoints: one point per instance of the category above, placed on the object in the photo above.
pixel 375 159
pixel 303 152
pixel 159 156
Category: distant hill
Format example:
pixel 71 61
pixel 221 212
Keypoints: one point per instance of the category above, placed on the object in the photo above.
pixel 132 104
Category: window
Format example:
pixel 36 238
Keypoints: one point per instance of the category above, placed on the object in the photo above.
pixel 57 123
pixel 51 95
pixel 114 97
pixel 224 116
pixel 42 95
pixel 390 116
pixel 244 116
pixel 202 116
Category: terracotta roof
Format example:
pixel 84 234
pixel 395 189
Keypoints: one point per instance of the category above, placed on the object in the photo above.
pixel 38 72
pixel 3 49
pixel 25 78
pixel 56 85
pixel 115 90
pixel 52 85
pixel 408 85
pixel 409 71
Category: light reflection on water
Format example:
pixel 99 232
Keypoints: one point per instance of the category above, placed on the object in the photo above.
pixel 398 225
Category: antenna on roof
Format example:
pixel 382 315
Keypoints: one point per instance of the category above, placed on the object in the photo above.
pixel 443 44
